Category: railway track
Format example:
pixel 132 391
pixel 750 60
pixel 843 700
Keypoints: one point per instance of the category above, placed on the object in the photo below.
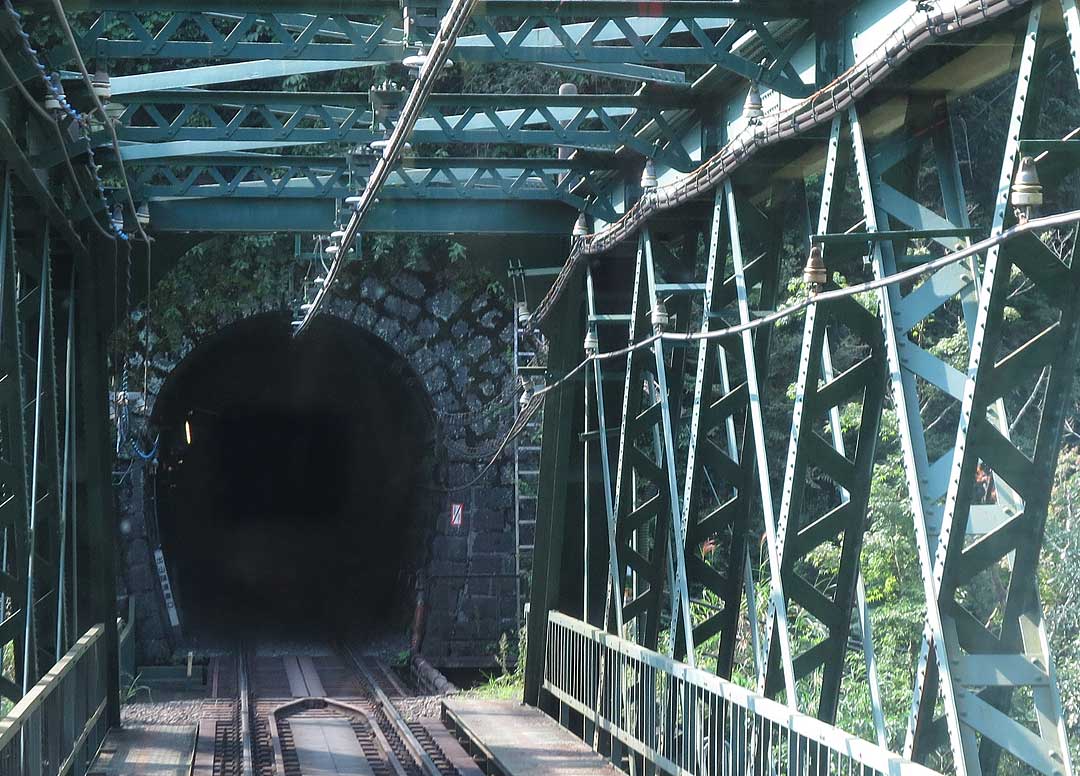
pixel 330 711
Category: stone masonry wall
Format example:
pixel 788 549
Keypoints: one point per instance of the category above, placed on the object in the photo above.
pixel 461 351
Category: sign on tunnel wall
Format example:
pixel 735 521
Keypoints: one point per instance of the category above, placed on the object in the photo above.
pixel 166 588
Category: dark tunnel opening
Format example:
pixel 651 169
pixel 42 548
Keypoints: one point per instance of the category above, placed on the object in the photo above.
pixel 290 492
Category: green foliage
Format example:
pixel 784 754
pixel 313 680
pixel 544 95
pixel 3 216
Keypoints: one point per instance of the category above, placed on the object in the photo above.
pixel 130 689
pixel 509 684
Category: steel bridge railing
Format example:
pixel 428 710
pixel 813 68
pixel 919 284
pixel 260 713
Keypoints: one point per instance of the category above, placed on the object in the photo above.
pixel 683 720
pixel 59 724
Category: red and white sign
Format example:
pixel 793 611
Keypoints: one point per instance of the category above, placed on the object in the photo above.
pixel 457 515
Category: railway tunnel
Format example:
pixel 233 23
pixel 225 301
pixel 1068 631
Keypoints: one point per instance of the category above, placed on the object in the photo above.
pixel 290 493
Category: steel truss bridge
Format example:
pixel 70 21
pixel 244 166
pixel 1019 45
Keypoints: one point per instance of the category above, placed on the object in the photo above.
pixel 655 454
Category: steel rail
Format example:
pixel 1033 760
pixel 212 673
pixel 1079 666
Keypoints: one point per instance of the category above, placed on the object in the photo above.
pixel 810 113
pixel 400 725
pixel 246 761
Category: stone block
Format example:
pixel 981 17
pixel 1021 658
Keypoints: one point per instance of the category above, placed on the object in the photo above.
pixel 410 285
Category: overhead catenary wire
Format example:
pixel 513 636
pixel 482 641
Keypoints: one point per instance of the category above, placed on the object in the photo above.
pixel 920 29
pixel 1031 226
pixel 451 25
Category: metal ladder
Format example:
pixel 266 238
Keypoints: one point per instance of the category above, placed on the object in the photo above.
pixel 528 377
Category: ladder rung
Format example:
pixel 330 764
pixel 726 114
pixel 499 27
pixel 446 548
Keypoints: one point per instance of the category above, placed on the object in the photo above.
pixel 679 288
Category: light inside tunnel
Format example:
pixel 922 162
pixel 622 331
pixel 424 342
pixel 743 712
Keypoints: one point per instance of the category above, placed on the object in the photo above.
pixel 291 486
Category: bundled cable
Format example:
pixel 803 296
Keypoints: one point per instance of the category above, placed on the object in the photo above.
pixel 818 109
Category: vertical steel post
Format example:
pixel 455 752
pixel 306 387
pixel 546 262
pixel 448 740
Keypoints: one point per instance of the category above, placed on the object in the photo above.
pixel 553 500
pixel 98 524
pixel 13 454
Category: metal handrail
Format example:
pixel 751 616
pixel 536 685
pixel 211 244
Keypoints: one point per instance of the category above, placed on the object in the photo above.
pixel 687 721
pixel 59 724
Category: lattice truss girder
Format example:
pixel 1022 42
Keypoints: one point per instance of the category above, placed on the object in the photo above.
pixel 718 490
pixel 601 123
pixel 981 508
pixel 642 530
pixel 616 33
pixel 817 451
pixel 30 462
pixel 286 176
pixel 979 497
pixel 36 311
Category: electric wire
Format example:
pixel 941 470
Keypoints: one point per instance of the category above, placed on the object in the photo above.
pixel 811 113
pixel 518 426
pixel 1028 227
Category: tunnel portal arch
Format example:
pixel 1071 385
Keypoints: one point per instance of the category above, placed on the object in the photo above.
pixel 457 348
pixel 293 480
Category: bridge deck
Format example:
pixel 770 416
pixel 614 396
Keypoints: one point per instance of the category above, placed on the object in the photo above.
pixel 146 750
pixel 518 740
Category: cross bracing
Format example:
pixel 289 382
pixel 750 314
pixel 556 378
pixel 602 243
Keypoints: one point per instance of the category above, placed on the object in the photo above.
pixel 691 32
pixel 700 512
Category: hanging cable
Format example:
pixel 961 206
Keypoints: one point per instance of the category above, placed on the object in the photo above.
pixel 814 111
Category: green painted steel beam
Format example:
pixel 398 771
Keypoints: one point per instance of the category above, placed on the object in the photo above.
pixel 218 74
pixel 258 176
pixel 759 10
pixel 668 34
pixel 426 162
pixel 318 215
pixel 595 122
pixel 654 98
